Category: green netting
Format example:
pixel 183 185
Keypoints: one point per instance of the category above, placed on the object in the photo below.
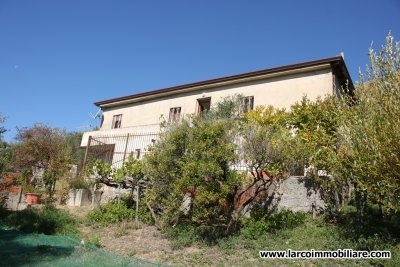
pixel 21 249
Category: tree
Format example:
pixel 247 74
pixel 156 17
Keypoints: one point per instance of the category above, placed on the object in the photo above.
pixel 317 126
pixel 5 156
pixel 192 159
pixel 192 167
pixel 77 152
pixel 44 148
pixel 268 149
pixel 373 128
pixel 5 149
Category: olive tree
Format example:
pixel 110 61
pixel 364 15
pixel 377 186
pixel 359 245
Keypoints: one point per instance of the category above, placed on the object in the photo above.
pixel 192 167
pixel 372 130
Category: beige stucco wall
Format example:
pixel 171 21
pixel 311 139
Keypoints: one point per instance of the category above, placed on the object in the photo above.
pixel 280 92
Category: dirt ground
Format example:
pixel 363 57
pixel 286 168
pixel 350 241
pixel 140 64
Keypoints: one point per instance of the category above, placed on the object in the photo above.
pixel 144 242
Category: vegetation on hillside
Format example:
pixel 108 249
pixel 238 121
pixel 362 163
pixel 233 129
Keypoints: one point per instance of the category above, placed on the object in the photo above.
pixel 204 172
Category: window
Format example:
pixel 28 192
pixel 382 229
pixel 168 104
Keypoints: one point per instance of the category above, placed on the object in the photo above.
pixel 203 105
pixel 99 150
pixel 116 123
pixel 174 114
pixel 247 104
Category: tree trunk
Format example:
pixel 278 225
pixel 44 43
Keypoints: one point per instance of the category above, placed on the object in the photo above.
pixel 93 195
pixel 157 220
pixel 231 227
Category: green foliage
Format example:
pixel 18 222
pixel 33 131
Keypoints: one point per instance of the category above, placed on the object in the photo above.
pixel 311 234
pixel 130 168
pixel 95 241
pixel 5 150
pixel 112 212
pixel 205 167
pixel 227 108
pixel 255 228
pixel 269 143
pixel 287 219
pixel 45 148
pixel 77 152
pixel 2 129
pixel 119 211
pixel 79 183
pixel 48 220
pixel 258 226
pixel 182 235
pixel 23 179
pixel 143 211
pixel 318 129
pixel 100 168
pixel 268 115
pixel 316 124
pixel 194 158
pixel 372 130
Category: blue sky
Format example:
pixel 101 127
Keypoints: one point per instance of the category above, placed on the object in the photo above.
pixel 58 57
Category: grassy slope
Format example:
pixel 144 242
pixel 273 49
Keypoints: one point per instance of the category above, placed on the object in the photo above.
pixel 239 251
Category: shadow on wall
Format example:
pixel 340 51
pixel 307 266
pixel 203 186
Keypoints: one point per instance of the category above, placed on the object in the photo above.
pixel 298 195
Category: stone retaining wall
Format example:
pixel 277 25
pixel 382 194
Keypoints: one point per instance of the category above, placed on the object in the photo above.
pixel 298 195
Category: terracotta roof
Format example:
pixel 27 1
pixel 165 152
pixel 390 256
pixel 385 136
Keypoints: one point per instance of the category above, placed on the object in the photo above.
pixel 337 64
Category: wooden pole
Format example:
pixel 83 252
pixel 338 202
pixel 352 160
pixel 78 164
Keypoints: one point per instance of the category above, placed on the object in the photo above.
pixel 137 207
pixel 86 154
pixel 126 147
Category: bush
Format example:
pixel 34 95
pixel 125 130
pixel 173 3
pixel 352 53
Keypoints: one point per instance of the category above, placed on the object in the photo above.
pixel 182 235
pixel 60 220
pixel 124 210
pixel 287 219
pixel 258 225
pixel 144 213
pixel 253 229
pixel 79 183
pixel 112 212
pixel 48 221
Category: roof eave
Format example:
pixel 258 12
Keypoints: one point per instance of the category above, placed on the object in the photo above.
pixel 336 63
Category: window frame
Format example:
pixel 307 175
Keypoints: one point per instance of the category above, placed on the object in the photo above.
pixel 246 104
pixel 203 105
pixel 174 114
pixel 116 122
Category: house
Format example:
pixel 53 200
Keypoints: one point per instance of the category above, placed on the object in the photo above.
pixel 131 123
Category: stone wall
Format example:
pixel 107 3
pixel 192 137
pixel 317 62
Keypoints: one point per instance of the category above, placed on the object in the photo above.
pixel 15 201
pixel 298 195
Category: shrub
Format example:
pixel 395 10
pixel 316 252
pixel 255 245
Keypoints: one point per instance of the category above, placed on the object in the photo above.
pixel 124 210
pixel 111 213
pixel 60 220
pixel 258 225
pixel 287 219
pixel 255 228
pixel 182 235
pixel 79 183
pixel 48 221
pixel 144 213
